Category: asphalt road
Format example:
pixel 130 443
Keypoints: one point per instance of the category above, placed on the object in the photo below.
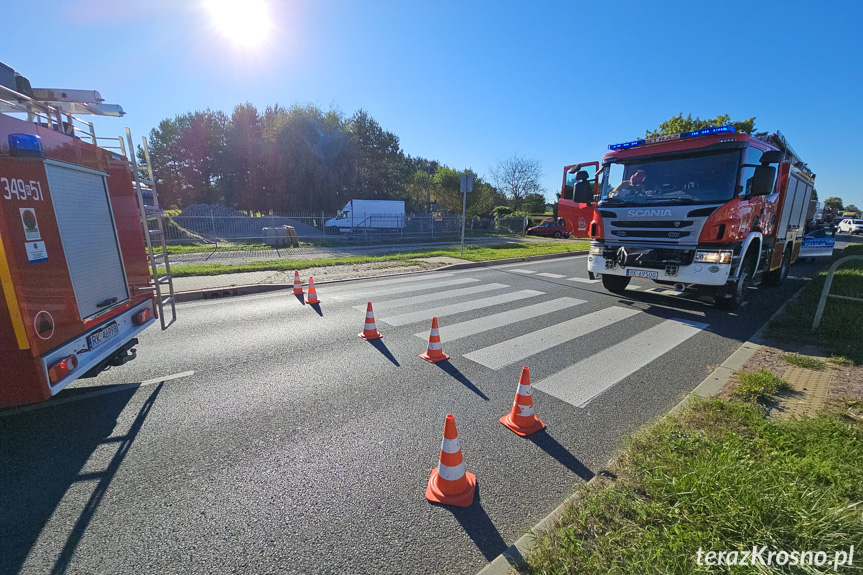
pixel 259 435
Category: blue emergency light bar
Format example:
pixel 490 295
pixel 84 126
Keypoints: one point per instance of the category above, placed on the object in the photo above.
pixel 704 132
pixel 25 145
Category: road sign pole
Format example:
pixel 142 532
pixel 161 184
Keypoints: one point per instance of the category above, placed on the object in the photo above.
pixel 463 211
pixel 466 186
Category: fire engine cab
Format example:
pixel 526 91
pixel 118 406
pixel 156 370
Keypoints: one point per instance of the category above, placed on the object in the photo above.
pixel 711 210
pixel 80 276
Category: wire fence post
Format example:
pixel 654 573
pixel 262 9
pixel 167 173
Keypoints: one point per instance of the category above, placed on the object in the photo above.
pixel 825 293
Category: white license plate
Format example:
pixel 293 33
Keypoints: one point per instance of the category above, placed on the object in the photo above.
pixel 96 339
pixel 642 274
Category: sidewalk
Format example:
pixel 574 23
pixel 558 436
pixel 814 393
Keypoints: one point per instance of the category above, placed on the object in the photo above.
pixel 323 274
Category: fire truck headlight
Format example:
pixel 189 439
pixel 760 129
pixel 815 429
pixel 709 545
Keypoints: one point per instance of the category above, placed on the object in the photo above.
pixel 596 249
pixel 705 257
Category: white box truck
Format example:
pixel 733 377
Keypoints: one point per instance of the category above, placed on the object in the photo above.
pixel 361 215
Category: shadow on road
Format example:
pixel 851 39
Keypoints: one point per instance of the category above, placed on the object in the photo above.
pixel 479 527
pixel 453 372
pixel 43 454
pixel 382 347
pixel 300 298
pixel 550 445
pixel 317 308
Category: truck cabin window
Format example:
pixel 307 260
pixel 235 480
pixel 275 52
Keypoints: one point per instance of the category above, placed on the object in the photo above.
pixel 700 179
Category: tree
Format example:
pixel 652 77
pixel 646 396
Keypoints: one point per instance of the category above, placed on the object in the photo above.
pixel 534 203
pixel 678 125
pixel 517 177
pixel 834 202
pixel 852 208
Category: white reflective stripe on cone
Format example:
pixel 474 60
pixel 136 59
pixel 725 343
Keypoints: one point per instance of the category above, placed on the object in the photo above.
pixel 370 325
pixel 450 445
pixel 523 390
pixel 450 473
pixel 435 346
pixel 435 332
pixel 370 314
pixel 526 410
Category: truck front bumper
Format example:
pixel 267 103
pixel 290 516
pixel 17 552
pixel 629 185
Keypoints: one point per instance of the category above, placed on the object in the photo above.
pixel 692 274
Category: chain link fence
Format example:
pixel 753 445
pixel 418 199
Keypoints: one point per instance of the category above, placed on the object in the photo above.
pixel 224 227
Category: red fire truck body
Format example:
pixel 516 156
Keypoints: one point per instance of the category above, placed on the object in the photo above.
pixel 74 273
pixel 711 210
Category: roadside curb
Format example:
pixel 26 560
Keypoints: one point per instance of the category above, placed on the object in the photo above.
pixel 235 290
pixel 509 560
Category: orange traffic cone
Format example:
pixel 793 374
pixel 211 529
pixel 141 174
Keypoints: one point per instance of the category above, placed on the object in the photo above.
pixel 450 484
pixel 298 285
pixel 434 353
pixel 522 420
pixel 370 330
pixel 313 294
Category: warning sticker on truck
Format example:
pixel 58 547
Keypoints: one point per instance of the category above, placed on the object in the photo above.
pixel 31 226
pixel 36 252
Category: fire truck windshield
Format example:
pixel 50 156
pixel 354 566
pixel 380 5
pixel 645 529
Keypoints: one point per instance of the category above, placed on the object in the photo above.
pixel 699 179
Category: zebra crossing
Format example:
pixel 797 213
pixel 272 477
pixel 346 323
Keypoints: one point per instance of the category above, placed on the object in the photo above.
pixel 457 294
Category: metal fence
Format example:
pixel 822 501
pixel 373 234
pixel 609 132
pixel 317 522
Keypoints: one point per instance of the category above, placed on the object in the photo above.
pixel 252 228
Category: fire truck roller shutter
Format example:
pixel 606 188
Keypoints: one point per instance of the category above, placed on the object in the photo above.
pixel 89 236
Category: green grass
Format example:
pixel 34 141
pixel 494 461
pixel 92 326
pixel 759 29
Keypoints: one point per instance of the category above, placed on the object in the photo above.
pixel 841 361
pixel 758 385
pixel 471 253
pixel 195 248
pixel 804 361
pixel 840 329
pixel 717 476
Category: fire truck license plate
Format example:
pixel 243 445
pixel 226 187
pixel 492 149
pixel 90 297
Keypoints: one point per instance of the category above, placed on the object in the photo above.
pixel 642 274
pixel 96 339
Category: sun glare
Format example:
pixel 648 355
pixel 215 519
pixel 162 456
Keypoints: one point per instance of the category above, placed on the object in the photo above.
pixel 246 23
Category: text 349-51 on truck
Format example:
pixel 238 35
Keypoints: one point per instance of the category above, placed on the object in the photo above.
pixel 79 275
pixel 712 210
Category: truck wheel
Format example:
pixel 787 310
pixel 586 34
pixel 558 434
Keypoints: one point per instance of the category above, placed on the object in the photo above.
pixel 776 277
pixel 733 295
pixel 615 284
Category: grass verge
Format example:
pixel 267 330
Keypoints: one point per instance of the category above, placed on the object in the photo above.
pixel 804 361
pixel 758 385
pixel 717 476
pixel 840 325
pixel 471 253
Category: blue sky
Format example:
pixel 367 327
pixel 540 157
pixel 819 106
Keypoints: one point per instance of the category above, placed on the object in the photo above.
pixel 471 82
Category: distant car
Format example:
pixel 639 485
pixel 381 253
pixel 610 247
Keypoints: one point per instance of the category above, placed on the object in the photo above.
pixel 549 229
pixel 850 226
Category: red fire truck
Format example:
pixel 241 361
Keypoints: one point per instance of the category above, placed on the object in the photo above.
pixel 711 210
pixel 78 272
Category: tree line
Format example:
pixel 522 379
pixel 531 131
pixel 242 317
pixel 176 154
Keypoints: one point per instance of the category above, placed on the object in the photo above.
pixel 304 159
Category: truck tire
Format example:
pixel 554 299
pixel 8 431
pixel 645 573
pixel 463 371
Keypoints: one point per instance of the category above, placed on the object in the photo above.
pixel 615 284
pixel 777 277
pixel 734 294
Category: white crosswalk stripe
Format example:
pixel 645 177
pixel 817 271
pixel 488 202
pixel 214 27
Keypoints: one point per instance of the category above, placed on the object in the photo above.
pixel 442 311
pixel 479 325
pixel 429 297
pixel 424 284
pixel 513 350
pixel 581 382
pixel 523 271
pixel 582 280
pixel 548 275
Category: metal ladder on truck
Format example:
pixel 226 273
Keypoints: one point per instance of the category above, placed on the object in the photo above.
pixel 160 284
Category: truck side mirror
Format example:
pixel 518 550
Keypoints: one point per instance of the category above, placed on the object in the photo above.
pixel 762 180
pixel 771 157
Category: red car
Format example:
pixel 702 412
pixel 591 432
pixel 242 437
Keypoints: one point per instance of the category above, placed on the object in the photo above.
pixel 550 229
